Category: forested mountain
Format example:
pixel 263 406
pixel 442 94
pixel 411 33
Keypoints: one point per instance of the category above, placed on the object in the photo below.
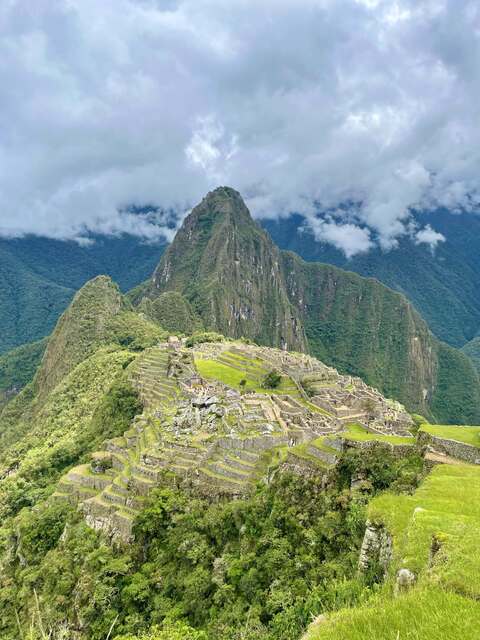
pixel 239 283
pixel 443 285
pixel 39 277
pixel 153 489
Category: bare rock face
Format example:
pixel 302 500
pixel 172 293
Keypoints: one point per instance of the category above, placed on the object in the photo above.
pixel 376 548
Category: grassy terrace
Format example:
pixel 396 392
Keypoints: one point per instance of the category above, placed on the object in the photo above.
pixel 252 371
pixel 468 435
pixel 359 433
pixel 444 604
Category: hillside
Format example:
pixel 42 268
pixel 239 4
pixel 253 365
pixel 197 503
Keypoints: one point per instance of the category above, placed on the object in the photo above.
pixel 117 419
pixel 238 283
pixel 157 488
pixel 152 488
pixel 444 286
pixel 39 277
pixel 472 350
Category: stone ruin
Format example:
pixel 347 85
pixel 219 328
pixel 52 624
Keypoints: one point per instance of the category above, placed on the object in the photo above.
pixel 218 440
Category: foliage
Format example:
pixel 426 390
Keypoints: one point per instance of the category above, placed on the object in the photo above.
pixel 134 332
pixel 444 286
pixel 172 312
pixel 255 568
pixel 39 277
pixel 472 350
pixel 205 336
pixel 272 380
pixel 17 367
pixel 435 536
pixel 44 439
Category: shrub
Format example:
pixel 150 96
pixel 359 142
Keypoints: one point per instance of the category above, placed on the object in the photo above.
pixel 206 336
pixel 271 380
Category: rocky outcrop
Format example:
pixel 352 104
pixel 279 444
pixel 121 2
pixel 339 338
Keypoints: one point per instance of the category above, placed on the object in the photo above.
pixel 376 550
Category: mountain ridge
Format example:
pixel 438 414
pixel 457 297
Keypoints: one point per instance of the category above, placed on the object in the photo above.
pixel 226 268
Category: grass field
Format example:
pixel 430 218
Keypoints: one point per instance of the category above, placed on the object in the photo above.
pixel 211 369
pixel 445 602
pixel 359 433
pixel 469 435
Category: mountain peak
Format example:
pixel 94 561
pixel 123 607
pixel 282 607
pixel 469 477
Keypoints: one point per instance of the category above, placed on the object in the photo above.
pixel 81 327
pixel 222 204
pixel 229 270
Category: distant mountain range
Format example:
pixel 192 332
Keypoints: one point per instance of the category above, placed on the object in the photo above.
pixel 444 285
pixel 225 273
pixel 39 277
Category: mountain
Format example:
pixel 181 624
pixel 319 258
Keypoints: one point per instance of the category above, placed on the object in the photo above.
pixel 39 277
pixel 239 283
pixel 17 368
pixel 443 285
pixel 153 489
pixel 231 273
pixel 472 350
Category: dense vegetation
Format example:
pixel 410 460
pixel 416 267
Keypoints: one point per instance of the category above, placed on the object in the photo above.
pixel 17 367
pixel 39 277
pixel 435 536
pixel 472 350
pixel 256 568
pixel 443 285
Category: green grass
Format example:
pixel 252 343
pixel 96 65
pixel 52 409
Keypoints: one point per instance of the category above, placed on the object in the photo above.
pixel 211 369
pixel 360 434
pixel 468 435
pixel 445 602
pixel 422 614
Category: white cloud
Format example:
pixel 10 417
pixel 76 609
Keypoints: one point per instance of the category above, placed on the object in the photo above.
pixel 349 238
pixel 429 236
pixel 300 104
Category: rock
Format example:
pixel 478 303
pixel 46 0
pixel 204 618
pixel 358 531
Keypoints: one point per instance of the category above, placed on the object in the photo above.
pixel 376 548
pixel 405 580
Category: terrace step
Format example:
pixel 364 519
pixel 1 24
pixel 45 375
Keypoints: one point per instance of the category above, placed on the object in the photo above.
pixel 222 469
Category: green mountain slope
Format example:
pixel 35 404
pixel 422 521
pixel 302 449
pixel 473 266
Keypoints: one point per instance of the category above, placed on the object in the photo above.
pixel 39 277
pixel 229 270
pixel 120 461
pixel 240 284
pixel 444 286
pixel 472 350
pixel 17 367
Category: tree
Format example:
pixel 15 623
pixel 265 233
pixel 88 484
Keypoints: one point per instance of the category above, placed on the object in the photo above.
pixel 272 380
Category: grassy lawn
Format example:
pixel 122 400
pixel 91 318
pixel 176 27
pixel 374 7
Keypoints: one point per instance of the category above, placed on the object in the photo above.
pixel 469 435
pixel 211 369
pixel 422 614
pixel 444 604
pixel 359 433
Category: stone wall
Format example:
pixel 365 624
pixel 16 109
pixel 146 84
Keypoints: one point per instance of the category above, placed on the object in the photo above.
pixel 452 448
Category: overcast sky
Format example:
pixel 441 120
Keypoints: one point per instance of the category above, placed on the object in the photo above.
pixel 299 104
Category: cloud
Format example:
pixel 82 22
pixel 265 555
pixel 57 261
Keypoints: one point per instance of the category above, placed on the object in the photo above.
pixel 302 105
pixel 429 236
pixel 349 238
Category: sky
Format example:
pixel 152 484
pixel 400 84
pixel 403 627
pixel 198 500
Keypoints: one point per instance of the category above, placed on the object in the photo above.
pixel 364 110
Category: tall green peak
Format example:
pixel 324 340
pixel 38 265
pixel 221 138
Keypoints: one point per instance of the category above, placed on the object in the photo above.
pixel 239 283
pixel 229 271
pixel 80 330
